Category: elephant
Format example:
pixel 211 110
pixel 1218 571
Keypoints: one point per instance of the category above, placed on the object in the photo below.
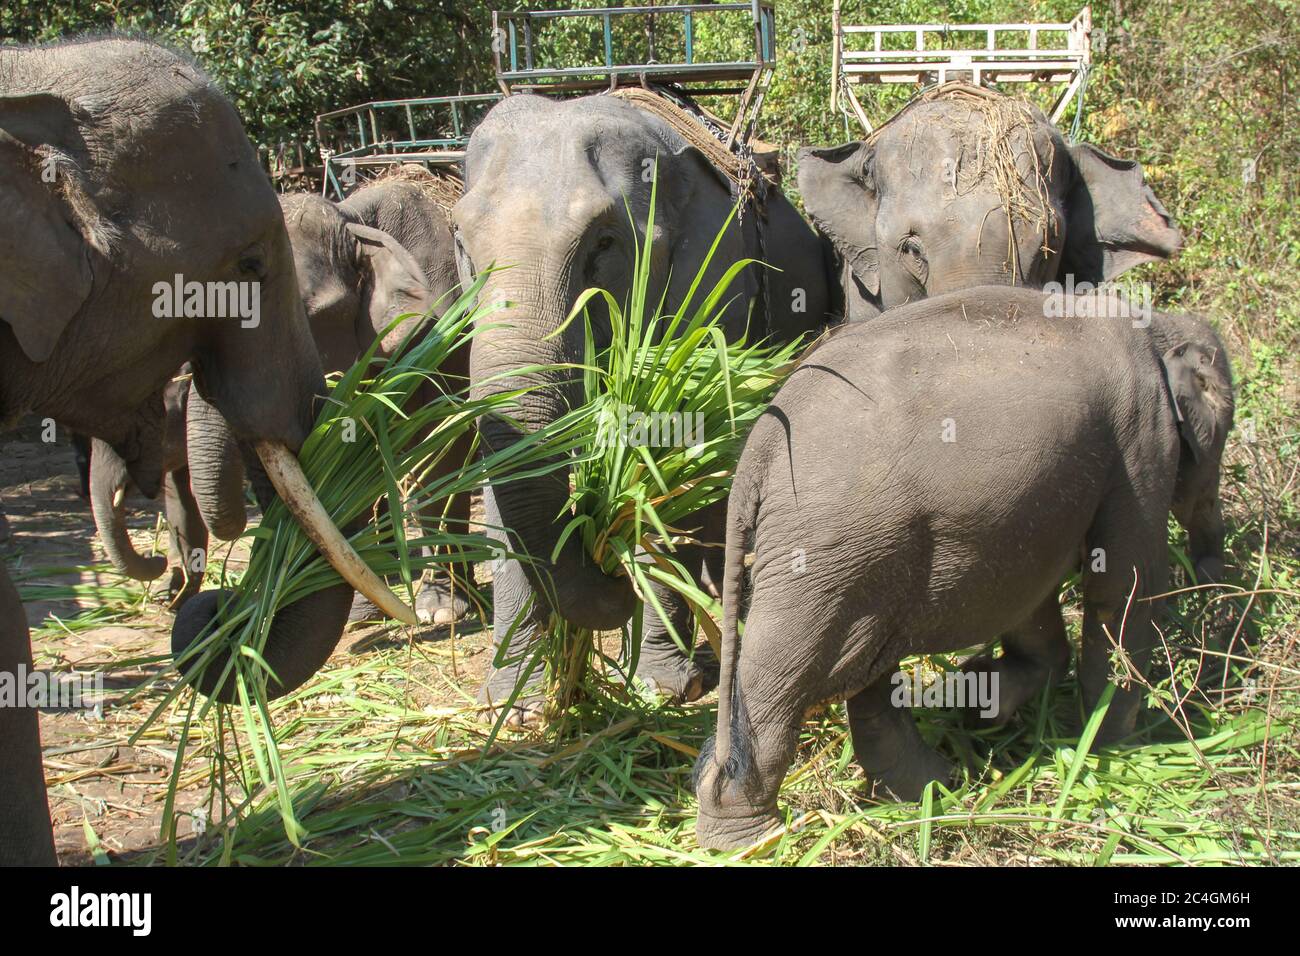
pixel 384 251
pixel 967 187
pixel 355 279
pixel 126 179
pixel 108 479
pixel 557 195
pixel 961 455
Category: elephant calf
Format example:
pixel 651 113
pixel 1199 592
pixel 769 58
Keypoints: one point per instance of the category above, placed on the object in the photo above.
pixel 922 484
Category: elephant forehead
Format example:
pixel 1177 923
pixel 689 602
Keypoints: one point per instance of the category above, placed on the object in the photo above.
pixel 946 141
pixel 605 132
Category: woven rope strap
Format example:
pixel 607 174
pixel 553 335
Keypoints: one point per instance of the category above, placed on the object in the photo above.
pixel 736 166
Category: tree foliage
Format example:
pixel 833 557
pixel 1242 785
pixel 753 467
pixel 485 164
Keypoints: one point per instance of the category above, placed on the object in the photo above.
pixel 1204 95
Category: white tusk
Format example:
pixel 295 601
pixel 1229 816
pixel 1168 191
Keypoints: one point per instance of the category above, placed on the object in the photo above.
pixel 286 474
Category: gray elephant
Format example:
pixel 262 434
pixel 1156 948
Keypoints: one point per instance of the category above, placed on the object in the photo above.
pixel 967 187
pixel 384 251
pixel 188 547
pixel 959 456
pixel 355 279
pixel 122 166
pixel 557 194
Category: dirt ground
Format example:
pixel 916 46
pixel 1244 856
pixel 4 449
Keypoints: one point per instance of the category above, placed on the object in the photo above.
pixel 106 796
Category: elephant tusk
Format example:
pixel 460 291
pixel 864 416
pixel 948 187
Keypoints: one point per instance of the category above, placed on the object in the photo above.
pixel 285 472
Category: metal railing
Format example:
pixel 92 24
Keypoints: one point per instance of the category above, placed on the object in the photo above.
pixel 983 53
pixel 518 56
pixel 429 130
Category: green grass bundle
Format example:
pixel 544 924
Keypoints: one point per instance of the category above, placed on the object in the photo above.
pixel 672 401
pixel 364 447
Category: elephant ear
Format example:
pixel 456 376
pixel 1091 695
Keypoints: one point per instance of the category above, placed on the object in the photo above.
pixel 1199 391
pixel 839 192
pixel 393 284
pixel 1114 220
pixel 47 276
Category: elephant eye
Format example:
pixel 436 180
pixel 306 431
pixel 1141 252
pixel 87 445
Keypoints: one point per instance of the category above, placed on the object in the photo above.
pixel 602 246
pixel 252 265
pixel 912 253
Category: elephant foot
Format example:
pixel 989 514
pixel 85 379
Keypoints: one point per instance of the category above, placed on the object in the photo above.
pixel 1121 717
pixel 663 668
pixel 732 833
pixel 1010 685
pixel 529 706
pixel 897 760
pixel 523 714
pixel 1210 570
pixel 906 781
pixel 437 604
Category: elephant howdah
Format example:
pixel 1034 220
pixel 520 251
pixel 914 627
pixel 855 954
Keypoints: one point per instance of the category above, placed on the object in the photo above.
pixel 88 232
pixel 923 483
pixel 556 201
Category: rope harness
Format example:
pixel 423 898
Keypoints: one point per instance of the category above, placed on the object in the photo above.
pixel 749 180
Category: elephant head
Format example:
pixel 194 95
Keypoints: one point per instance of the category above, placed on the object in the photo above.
pixel 966 187
pixel 354 281
pixel 557 199
pixel 140 233
pixel 1200 386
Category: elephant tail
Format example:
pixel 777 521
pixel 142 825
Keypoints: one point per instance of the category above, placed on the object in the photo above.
pixel 730 750
pixel 108 478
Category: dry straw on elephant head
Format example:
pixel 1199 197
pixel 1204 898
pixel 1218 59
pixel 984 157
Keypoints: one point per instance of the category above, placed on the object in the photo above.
pixel 444 187
pixel 998 133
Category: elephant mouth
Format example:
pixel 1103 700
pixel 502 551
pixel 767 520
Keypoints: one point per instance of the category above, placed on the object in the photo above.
pixel 286 474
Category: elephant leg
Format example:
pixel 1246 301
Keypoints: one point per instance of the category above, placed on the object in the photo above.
pixel 661 663
pixel 364 610
pixel 189 536
pixel 773 687
pixel 1034 655
pixel 26 836
pixel 1205 532
pixel 1131 540
pixel 444 594
pixel 519 620
pixel 888 745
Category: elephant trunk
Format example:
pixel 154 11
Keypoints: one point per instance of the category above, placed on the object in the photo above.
pixel 216 468
pixel 303 634
pixel 300 641
pixel 108 479
pixel 505 357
